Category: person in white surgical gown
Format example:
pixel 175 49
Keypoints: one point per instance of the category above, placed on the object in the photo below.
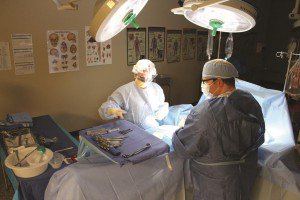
pixel 141 101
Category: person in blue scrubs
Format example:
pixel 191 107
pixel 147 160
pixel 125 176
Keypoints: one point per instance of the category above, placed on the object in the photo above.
pixel 221 136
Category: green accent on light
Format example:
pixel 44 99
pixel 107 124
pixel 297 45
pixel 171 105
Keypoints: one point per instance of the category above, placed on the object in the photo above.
pixel 41 148
pixel 129 19
pixel 215 24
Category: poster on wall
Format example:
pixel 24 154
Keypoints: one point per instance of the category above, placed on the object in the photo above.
pixel 201 45
pixel 189 44
pixel 62 51
pixel 156 44
pixel 23 53
pixel 136 45
pixel 97 53
pixel 173 45
pixel 5 62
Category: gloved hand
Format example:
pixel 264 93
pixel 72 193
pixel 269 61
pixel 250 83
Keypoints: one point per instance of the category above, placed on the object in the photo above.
pixel 118 113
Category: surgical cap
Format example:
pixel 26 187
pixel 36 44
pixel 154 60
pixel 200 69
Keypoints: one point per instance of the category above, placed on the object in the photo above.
pixel 219 68
pixel 144 65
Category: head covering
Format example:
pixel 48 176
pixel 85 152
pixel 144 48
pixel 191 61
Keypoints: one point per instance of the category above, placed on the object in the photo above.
pixel 144 65
pixel 219 68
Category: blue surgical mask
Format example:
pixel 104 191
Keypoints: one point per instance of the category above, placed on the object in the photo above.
pixel 205 89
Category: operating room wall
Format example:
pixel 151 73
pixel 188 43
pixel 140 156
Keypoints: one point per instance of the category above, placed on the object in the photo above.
pixel 72 98
pixel 271 34
pixel 278 32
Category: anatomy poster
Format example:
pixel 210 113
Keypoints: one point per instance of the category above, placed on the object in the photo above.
pixel 136 45
pixel 62 51
pixel 189 44
pixel 97 53
pixel 156 43
pixel 23 53
pixel 173 45
pixel 201 45
pixel 5 63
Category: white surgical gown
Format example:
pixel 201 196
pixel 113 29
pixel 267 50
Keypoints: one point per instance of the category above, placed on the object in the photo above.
pixel 141 104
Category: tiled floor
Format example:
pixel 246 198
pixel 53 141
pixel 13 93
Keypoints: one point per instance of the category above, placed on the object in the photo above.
pixel 4 193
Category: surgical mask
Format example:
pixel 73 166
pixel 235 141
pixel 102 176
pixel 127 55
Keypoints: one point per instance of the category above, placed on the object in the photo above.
pixel 205 89
pixel 140 83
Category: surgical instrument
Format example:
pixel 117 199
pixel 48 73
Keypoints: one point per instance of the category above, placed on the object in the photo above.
pixel 19 163
pixel 148 145
pixel 125 131
pixel 18 158
pixel 64 149
pixel 106 145
pixel 101 131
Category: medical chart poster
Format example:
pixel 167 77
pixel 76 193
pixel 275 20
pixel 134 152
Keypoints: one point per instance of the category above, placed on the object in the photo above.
pixel 97 53
pixel 136 45
pixel 22 48
pixel 156 43
pixel 62 51
pixel 5 62
pixel 173 45
pixel 189 44
pixel 201 45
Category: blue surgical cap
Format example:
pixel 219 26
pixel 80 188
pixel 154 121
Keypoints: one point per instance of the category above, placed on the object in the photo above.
pixel 219 68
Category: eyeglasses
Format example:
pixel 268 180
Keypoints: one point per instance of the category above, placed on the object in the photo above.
pixel 205 81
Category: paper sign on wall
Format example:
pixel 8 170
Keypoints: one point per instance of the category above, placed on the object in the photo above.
pixel 23 53
pixel 5 62
pixel 62 51
pixel 97 53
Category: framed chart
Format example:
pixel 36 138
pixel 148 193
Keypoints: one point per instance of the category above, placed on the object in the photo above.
pixel 136 45
pixel 173 45
pixel 189 44
pixel 201 45
pixel 156 43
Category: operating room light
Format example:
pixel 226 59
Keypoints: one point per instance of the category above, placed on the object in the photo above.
pixel 234 15
pixel 109 20
pixel 218 15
